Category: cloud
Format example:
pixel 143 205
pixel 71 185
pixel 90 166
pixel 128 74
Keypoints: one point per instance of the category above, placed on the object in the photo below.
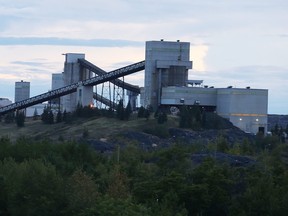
pixel 198 54
pixel 283 35
pixel 229 42
pixel 52 41
pixel 26 63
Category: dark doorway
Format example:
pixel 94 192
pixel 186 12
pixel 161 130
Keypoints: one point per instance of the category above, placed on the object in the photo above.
pixel 261 130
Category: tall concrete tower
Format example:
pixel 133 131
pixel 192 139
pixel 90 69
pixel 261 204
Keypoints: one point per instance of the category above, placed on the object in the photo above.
pixel 73 74
pixel 166 64
pixel 22 90
pixel 57 82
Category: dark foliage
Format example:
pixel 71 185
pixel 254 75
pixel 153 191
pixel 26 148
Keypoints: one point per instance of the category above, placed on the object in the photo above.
pixel 120 110
pixel 20 118
pixel 59 117
pixel 9 117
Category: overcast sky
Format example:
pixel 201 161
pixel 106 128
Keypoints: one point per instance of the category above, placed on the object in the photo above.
pixel 233 42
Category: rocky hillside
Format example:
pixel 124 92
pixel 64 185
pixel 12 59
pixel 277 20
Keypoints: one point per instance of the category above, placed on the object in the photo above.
pixel 280 120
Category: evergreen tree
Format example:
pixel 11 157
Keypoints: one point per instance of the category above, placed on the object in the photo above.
pixel 64 117
pixel 45 115
pixel 185 118
pixel 141 112
pixel 9 117
pixel 50 117
pixel 35 114
pixel 162 118
pixel 120 110
pixel 147 114
pixel 59 117
pixel 190 117
pixel 20 118
pixel 128 111
pixel 79 110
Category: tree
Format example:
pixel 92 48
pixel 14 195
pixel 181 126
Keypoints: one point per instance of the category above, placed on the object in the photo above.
pixel 64 116
pixel 141 112
pixel 50 117
pixel 185 117
pixel 20 118
pixel 81 192
pixel 79 109
pixel 147 114
pixel 120 110
pixel 31 187
pixel 59 117
pixel 45 115
pixel 162 118
pixel 127 111
pixel 190 117
pixel 9 117
pixel 35 114
pixel 118 187
pixel 222 144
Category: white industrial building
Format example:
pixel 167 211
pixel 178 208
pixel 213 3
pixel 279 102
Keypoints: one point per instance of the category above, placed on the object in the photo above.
pixel 246 108
pixel 167 84
pixel 22 91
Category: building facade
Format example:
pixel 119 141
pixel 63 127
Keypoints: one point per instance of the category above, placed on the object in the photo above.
pixel 57 82
pixel 73 74
pixel 167 84
pixel 166 64
pixel 246 108
pixel 22 90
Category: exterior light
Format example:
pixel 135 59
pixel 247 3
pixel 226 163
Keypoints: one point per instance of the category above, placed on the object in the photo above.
pixel 257 119
pixel 240 119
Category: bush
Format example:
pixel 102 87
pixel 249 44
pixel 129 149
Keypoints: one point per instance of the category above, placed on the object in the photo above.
pixel 160 131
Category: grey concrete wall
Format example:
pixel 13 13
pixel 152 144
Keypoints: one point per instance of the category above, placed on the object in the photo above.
pixel 85 95
pixel 72 74
pixel 245 108
pixel 190 95
pixel 22 91
pixel 166 63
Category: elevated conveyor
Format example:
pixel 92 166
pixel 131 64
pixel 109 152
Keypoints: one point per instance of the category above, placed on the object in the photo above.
pixel 73 87
pixel 88 65
pixel 104 100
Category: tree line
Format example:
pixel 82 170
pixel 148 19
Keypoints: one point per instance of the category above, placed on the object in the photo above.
pixel 71 178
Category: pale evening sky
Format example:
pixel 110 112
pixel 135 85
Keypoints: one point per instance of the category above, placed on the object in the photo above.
pixel 239 43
